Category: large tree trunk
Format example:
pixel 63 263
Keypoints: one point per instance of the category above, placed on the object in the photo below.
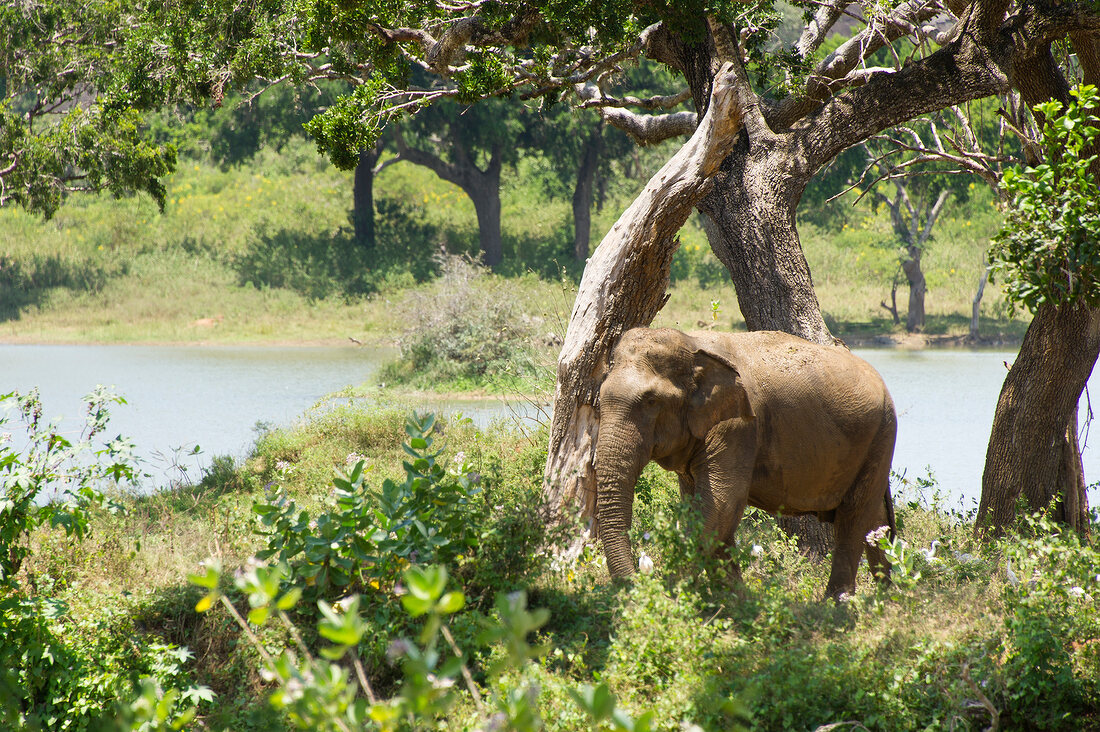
pixel 1033 452
pixel 914 320
pixel 362 197
pixel 749 219
pixel 482 186
pixel 623 286
pixel 583 194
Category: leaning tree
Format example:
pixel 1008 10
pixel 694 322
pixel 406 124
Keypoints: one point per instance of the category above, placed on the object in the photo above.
pixel 765 118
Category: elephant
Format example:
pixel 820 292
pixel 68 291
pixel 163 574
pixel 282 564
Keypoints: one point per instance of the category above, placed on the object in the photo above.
pixel 762 418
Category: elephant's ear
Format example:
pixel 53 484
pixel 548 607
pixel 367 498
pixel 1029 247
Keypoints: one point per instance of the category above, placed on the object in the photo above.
pixel 718 393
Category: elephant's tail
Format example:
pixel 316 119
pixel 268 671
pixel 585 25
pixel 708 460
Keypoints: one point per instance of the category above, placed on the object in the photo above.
pixel 889 501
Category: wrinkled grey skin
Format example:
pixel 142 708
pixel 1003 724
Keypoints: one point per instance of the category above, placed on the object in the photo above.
pixel 763 419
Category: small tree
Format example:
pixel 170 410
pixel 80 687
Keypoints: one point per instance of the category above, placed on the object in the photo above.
pixel 1048 256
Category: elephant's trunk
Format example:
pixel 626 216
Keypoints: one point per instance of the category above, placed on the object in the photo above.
pixel 621 453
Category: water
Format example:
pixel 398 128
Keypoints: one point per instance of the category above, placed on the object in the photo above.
pixel 945 401
pixel 214 397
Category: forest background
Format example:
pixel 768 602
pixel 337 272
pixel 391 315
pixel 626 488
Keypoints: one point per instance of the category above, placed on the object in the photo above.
pixel 258 244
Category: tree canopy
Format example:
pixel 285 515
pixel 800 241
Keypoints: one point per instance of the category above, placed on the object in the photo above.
pixel 67 121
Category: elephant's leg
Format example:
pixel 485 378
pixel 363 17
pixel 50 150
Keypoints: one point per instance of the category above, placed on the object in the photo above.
pixel 723 476
pixel 863 511
pixel 850 533
pixel 876 558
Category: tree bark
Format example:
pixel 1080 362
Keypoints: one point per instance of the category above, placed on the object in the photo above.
pixel 749 219
pixel 482 187
pixel 362 197
pixel 914 319
pixel 623 286
pixel 486 197
pixel 975 333
pixel 583 194
pixel 1033 452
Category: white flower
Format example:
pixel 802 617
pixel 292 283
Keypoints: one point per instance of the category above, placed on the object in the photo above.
pixel 343 604
pixel 460 458
pixel 5 437
pixel 1076 591
pixel 879 533
pixel 757 551
pixel 353 458
pixel 645 564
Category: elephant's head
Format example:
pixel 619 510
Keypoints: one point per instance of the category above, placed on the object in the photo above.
pixel 662 394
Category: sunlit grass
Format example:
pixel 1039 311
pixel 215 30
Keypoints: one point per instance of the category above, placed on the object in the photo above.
pixel 171 277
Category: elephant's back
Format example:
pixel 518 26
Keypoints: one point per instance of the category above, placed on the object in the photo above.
pixel 780 361
pixel 819 398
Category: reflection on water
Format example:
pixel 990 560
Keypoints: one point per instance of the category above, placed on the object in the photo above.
pixel 214 397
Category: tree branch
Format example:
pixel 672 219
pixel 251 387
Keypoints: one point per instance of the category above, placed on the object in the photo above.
pixel 814 33
pixel 832 74
pixel 645 129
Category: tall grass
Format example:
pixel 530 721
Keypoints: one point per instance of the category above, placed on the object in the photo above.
pixel 263 253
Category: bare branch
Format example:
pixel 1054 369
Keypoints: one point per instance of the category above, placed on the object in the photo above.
pixel 645 129
pixel 814 33
pixel 835 71
pixel 729 52
pixel 658 102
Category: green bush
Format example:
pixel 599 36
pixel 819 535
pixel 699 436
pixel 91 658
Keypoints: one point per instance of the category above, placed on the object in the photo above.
pixel 467 332
pixel 59 669
pixel 1052 674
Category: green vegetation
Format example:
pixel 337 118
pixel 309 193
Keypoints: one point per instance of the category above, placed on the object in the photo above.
pixel 1046 250
pixel 264 253
pixel 380 576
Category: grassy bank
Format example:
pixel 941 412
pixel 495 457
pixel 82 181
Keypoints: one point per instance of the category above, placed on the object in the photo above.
pixel 262 254
pixel 949 646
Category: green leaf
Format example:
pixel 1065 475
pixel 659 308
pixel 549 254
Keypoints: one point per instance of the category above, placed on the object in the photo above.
pixel 452 602
pixel 289 599
pixel 259 615
pixel 416 606
pixel 209 579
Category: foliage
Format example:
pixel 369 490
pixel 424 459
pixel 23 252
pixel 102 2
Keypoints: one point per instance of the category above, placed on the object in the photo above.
pixel 331 263
pixel 696 263
pixel 59 669
pixel 417 522
pixel 65 123
pixel 51 480
pixel 468 332
pixel 1053 660
pixel 364 540
pixel 1047 250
